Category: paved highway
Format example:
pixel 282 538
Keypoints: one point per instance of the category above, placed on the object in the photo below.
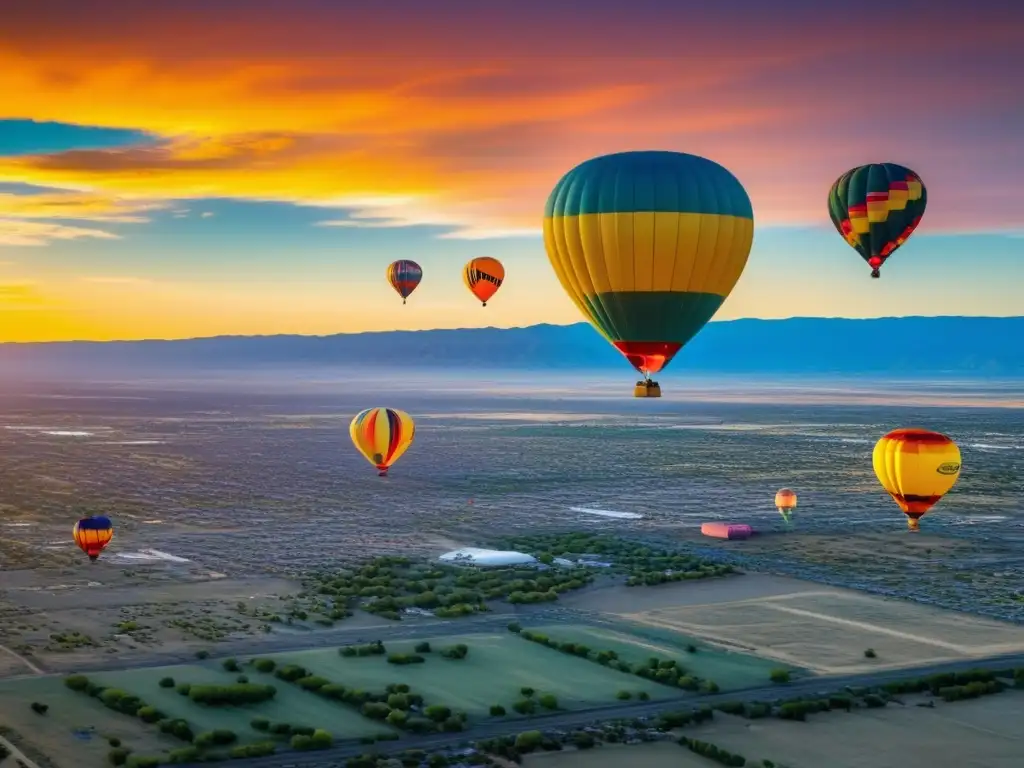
pixel 336 757
pixel 286 642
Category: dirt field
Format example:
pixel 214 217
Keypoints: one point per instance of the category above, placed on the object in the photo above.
pixel 57 620
pixel 806 625
pixel 984 732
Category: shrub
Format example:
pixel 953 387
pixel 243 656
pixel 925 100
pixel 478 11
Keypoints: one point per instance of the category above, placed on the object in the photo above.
pixel 231 695
pixel 406 658
pixel 525 706
pixel 456 651
pixel 149 714
pixel 779 676
pixel 423 647
pixel 114 741
pixel 526 691
pixel 264 665
pixel 166 682
pixel 183 688
pixel 137 761
pixel 241 679
pixel 231 665
pixel 870 653
pixel 220 737
pixel 202 654
pixel 76 682
pixel 691 648
pixel 527 741
pixel 184 755
pixel 291 672
pixel 515 626
pixel 497 710
pixel 623 695
pixel 39 709
pixel 260 749
pixel 260 724
pixel 548 701
pixel 117 756
pixel 643 696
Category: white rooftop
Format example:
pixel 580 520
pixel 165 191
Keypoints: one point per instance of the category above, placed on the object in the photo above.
pixel 475 556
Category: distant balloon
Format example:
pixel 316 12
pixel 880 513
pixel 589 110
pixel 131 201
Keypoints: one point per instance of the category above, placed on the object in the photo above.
pixel 876 208
pixel 917 468
pixel 92 534
pixel 404 275
pixel 785 502
pixel 382 435
pixel 483 276
pixel 648 245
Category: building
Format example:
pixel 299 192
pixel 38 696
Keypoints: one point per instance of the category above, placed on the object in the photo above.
pixel 486 557
pixel 726 530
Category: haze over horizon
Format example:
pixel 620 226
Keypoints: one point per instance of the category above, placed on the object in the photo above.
pixel 270 163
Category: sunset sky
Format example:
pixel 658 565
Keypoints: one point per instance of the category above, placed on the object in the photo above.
pixel 251 167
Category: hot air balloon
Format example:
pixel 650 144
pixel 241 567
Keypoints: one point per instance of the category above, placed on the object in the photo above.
pixel 917 468
pixel 648 245
pixel 404 275
pixel 876 208
pixel 92 534
pixel 483 276
pixel 382 435
pixel 785 502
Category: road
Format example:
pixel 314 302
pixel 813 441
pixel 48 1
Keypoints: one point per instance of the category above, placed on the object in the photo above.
pixel 408 629
pixel 336 757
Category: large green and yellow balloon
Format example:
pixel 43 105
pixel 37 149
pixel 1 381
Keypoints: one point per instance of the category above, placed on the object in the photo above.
pixel 876 208
pixel 648 245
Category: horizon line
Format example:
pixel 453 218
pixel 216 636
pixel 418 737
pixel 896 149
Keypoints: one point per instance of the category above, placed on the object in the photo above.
pixel 491 328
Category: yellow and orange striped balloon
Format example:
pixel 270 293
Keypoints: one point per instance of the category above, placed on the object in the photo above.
pixel 917 468
pixel 483 276
pixel 92 534
pixel 382 435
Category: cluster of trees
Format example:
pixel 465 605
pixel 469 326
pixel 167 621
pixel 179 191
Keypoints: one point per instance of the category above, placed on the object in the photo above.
pixel 530 702
pixel 664 671
pixel 410 758
pixel 375 648
pixel 397 705
pixel 935 683
pixel 131 705
pixel 643 565
pixel 405 658
pixel 235 695
pixel 710 751
pixel 388 585
pixel 458 651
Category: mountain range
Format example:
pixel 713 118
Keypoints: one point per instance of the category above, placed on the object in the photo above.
pixel 904 346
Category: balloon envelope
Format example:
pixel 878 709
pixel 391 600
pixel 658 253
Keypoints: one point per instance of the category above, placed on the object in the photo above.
pixel 785 502
pixel 382 435
pixel 404 275
pixel 648 245
pixel 876 208
pixel 92 534
pixel 483 276
pixel 917 468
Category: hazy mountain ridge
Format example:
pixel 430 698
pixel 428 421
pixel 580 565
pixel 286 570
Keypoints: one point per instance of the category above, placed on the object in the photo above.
pixel 908 346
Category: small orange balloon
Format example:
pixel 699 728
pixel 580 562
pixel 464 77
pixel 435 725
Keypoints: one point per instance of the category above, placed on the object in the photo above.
pixel 483 276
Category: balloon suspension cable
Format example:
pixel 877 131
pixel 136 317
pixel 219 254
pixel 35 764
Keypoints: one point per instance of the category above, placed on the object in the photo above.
pixel 875 273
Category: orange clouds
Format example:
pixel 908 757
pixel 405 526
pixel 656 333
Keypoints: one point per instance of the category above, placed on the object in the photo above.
pixel 464 116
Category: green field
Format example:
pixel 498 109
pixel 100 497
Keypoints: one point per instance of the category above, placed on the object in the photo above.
pixel 495 669
pixel 290 705
pixel 731 671
pixel 54 732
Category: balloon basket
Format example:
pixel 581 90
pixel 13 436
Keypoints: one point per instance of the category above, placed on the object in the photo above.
pixel 647 389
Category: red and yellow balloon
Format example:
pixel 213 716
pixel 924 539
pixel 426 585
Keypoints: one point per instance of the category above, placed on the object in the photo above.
pixel 382 435
pixel 917 467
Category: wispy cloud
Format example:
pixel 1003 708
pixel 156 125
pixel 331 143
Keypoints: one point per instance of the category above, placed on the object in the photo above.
pixel 115 280
pixel 468 131
pixel 15 232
